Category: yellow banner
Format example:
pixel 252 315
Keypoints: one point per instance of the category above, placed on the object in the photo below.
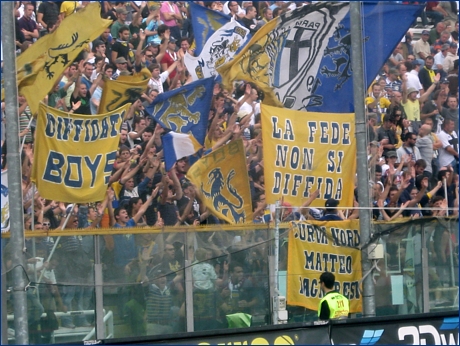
pixel 75 154
pixel 116 94
pixel 222 180
pixel 305 151
pixel 42 63
pixel 319 246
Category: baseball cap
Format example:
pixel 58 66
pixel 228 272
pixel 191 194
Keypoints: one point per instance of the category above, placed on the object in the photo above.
pixel 391 153
pixel 444 81
pixel 331 203
pixel 453 45
pixel 445 46
pixel 98 42
pixel 394 71
pixel 417 62
pixel 121 10
pixel 154 7
pixel 120 60
pixel 172 39
pixel 425 32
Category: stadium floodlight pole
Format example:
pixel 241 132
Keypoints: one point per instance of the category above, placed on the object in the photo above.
pixel 21 329
pixel 4 340
pixel 357 63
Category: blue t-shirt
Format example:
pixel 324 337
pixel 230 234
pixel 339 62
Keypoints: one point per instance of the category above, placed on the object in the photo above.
pixel 130 223
pixel 330 217
pixel 125 249
pixel 153 26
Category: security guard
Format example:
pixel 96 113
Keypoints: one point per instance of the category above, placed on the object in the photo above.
pixel 333 305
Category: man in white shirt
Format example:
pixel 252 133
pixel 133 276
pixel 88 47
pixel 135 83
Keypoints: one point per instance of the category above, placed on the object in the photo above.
pixel 233 9
pixel 440 57
pixel 451 56
pixel 250 106
pixel 412 76
pixel 448 154
pixel 409 148
pixel 422 47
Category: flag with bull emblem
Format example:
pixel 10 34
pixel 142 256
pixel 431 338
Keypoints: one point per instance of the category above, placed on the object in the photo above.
pixel 118 93
pixel 42 64
pixel 219 49
pixel 186 109
pixel 302 59
pixel 222 181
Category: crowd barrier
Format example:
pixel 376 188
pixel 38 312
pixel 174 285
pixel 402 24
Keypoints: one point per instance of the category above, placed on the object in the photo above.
pixel 95 270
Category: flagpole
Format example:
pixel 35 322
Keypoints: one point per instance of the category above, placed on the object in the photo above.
pixel 21 328
pixel 24 138
pixel 357 63
pixel 56 242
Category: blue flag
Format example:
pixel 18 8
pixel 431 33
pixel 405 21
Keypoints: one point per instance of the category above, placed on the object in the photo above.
pixel 186 109
pixel 205 22
pixel 301 60
pixel 384 25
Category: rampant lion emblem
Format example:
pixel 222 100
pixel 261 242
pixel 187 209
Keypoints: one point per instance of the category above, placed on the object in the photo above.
pixel 177 113
pixel 220 202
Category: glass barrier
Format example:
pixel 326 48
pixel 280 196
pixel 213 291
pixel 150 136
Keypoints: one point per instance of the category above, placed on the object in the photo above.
pixel 155 282
pixel 60 295
pixel 420 269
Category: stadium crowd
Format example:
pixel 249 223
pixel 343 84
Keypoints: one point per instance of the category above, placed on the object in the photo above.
pixel 412 112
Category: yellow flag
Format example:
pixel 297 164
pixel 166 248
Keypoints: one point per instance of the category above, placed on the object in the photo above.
pixel 308 151
pixel 222 180
pixel 143 74
pixel 118 93
pixel 75 156
pixel 318 246
pixel 252 65
pixel 42 63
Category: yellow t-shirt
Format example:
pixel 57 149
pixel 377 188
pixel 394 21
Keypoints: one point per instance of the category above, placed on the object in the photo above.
pixel 412 109
pixel 68 7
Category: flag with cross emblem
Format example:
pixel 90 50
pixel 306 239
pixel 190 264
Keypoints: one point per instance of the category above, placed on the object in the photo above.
pixel 301 59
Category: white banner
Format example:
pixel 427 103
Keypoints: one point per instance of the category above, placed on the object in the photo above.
pixel 218 50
